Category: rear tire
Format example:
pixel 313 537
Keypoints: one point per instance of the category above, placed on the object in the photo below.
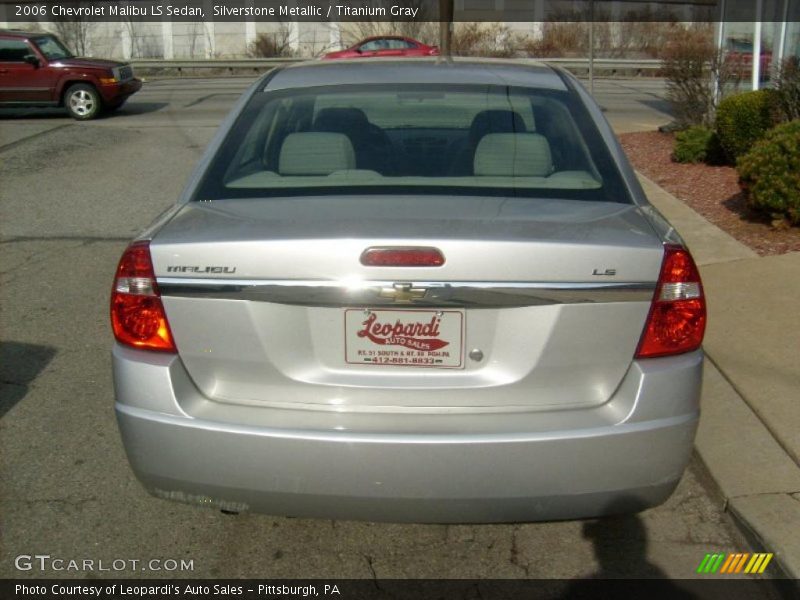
pixel 82 102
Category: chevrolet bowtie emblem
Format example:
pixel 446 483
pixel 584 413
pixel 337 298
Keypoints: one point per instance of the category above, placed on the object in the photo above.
pixel 403 292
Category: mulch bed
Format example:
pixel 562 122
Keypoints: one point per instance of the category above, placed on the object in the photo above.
pixel 711 191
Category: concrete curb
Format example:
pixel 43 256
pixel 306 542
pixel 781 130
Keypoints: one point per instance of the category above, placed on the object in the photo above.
pixel 756 476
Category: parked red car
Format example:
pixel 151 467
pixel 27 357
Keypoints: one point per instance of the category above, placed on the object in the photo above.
pixel 36 69
pixel 385 45
pixel 739 54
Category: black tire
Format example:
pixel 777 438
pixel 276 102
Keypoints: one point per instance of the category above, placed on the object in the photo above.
pixel 82 102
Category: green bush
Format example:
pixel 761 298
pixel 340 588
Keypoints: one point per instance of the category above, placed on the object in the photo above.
pixel 742 120
pixel 697 144
pixel 770 173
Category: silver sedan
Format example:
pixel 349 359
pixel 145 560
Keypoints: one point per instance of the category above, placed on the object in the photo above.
pixel 413 290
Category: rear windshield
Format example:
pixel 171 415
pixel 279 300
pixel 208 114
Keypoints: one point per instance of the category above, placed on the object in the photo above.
pixel 414 139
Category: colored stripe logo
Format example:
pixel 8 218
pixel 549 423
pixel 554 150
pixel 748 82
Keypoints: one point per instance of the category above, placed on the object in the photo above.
pixel 739 562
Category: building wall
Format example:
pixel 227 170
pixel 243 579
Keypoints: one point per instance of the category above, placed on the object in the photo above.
pixel 126 40
pixel 780 32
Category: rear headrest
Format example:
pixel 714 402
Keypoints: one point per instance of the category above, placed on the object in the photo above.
pixel 495 121
pixel 316 153
pixel 513 155
pixel 341 120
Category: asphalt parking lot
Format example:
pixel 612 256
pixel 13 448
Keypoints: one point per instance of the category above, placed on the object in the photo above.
pixel 72 195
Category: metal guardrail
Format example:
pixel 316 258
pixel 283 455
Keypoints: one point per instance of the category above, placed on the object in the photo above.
pixel 608 64
pixel 600 64
pixel 210 63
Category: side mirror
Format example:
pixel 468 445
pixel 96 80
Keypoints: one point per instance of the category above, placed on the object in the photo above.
pixel 31 60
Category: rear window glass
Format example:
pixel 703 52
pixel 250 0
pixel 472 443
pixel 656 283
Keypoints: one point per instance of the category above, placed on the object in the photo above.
pixel 421 139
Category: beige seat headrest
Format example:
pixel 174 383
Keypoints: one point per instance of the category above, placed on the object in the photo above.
pixel 316 153
pixel 513 155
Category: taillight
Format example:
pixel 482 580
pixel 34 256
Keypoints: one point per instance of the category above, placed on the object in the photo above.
pixel 677 319
pixel 393 256
pixel 137 314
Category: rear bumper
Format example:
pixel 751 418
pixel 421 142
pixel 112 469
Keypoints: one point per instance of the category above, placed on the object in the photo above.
pixel 502 467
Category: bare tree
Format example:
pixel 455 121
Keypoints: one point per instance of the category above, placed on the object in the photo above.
pixel 634 33
pixel 133 28
pixel 696 70
pixel 484 39
pixel 75 32
pixel 193 31
pixel 425 31
pixel 276 43
pixel 787 86
pixel 142 45
pixel 209 36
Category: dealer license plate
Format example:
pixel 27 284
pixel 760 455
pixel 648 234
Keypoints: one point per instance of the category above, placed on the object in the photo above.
pixel 404 338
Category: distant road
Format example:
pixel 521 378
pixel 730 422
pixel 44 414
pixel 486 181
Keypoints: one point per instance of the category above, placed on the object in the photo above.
pixel 629 104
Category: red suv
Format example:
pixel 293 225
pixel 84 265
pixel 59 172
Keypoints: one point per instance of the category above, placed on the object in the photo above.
pixel 36 69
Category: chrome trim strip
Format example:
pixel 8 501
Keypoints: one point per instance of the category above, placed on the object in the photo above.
pixel 466 294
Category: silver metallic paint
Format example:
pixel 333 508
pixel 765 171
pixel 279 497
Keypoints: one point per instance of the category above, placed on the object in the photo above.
pixel 557 421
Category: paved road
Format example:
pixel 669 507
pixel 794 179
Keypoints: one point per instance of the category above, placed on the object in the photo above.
pixel 633 104
pixel 72 194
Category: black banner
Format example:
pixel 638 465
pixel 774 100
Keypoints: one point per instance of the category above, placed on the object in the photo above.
pixel 20 11
pixel 367 589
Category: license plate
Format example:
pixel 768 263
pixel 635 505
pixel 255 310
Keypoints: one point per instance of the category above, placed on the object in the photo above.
pixel 404 338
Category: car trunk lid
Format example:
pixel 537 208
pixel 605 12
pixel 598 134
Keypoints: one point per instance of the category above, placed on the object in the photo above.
pixel 542 300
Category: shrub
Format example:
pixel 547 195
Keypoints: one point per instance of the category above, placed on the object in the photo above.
pixel 559 39
pixel 697 144
pixel 742 120
pixel 648 31
pixel 787 89
pixel 694 69
pixel 483 39
pixel 770 173
pixel 274 45
pixel 541 48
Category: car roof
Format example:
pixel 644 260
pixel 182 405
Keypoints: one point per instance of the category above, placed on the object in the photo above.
pixel 458 71
pixel 385 37
pixel 18 33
